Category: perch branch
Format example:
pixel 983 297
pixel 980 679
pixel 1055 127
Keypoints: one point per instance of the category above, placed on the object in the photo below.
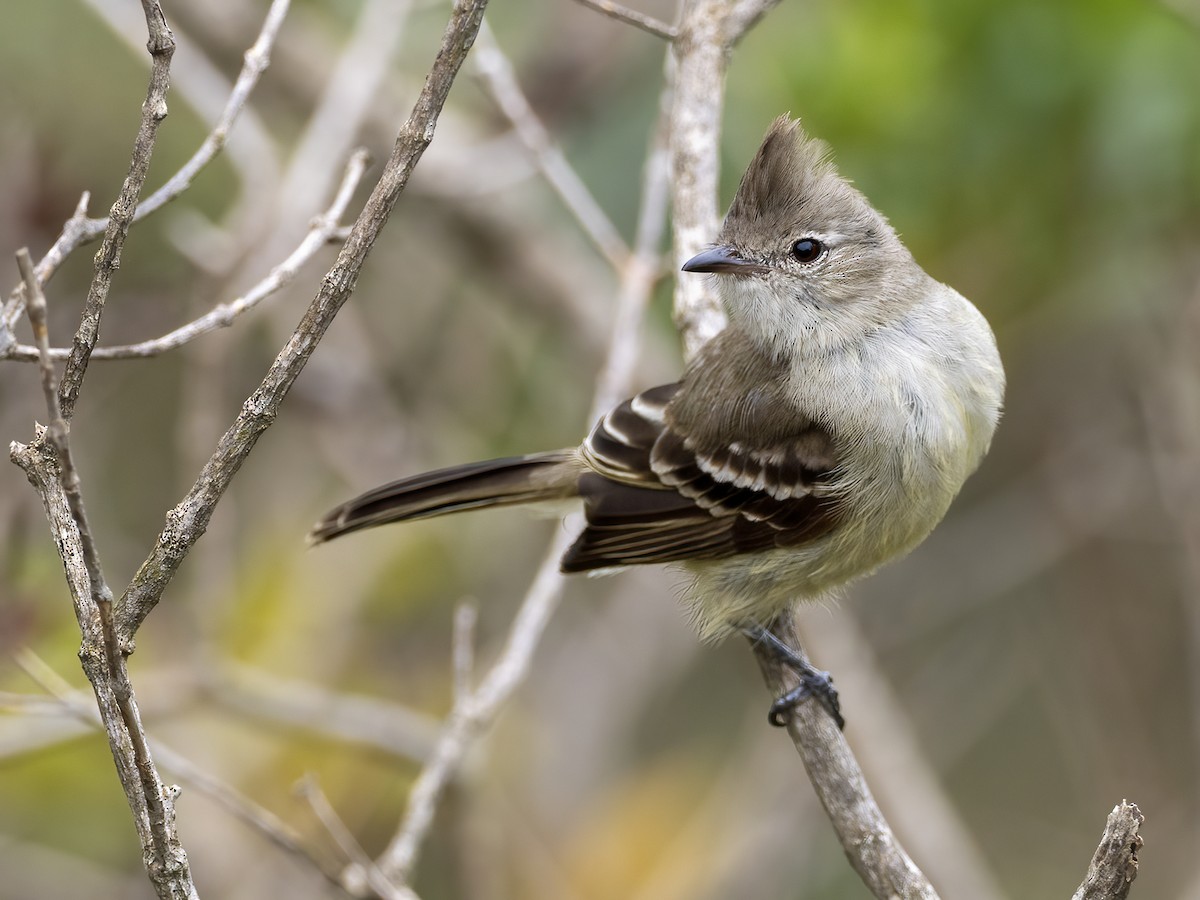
pixel 866 837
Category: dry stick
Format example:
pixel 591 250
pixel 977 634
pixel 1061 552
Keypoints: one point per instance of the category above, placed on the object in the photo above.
pixel 1115 864
pixel 162 47
pixel 80 229
pixel 223 794
pixel 308 789
pixel 474 711
pixel 188 521
pixel 501 82
pixel 322 230
pixel 646 23
pixel 49 465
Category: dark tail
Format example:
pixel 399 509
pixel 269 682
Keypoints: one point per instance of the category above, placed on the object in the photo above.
pixel 496 482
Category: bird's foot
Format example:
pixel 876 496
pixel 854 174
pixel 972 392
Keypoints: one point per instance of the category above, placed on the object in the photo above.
pixel 813 681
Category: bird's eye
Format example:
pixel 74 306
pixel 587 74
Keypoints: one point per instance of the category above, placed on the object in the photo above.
pixel 807 250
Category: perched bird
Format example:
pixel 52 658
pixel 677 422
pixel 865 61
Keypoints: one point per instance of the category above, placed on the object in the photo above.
pixel 822 433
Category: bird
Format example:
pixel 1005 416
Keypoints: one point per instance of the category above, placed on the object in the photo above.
pixel 822 433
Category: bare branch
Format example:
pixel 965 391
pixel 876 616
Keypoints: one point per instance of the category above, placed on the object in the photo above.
pixel 646 23
pixel 162 47
pixel 866 837
pixel 309 789
pixel 322 230
pixel 80 229
pixel 188 521
pixel 890 753
pixel 501 81
pixel 1115 863
pixel 465 617
pixel 707 33
pixel 50 468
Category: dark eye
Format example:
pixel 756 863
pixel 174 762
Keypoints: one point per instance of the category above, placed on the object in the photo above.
pixel 807 250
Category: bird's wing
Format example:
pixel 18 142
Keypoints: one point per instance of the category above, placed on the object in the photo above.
pixel 659 491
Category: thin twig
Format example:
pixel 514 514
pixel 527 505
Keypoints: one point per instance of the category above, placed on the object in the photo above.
pixel 188 521
pixel 49 465
pixel 162 47
pixel 474 713
pixel 646 23
pixel 322 230
pixel 1115 864
pixel 463 644
pixel 501 81
pixel 80 229
pixel 309 790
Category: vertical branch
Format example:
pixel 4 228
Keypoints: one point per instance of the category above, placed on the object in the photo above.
pixel 49 465
pixel 706 35
pixel 162 47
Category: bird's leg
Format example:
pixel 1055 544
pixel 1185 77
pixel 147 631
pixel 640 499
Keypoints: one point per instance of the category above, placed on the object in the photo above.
pixel 813 681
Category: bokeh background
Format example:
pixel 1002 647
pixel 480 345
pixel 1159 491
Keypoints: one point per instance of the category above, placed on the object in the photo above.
pixel 1042 648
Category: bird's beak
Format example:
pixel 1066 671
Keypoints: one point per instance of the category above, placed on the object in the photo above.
pixel 723 260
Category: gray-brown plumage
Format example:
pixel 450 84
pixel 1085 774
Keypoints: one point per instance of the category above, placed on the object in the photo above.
pixel 823 432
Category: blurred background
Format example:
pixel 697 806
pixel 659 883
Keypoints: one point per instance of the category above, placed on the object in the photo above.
pixel 1040 654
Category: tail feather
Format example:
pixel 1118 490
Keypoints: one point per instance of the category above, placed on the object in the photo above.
pixel 496 482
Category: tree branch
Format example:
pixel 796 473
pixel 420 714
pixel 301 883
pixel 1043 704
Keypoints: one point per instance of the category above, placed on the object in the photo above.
pixel 162 47
pixel 866 837
pixel 707 33
pixel 80 229
pixel 475 710
pixel 50 468
pixel 323 229
pixel 646 23
pixel 501 82
pixel 188 520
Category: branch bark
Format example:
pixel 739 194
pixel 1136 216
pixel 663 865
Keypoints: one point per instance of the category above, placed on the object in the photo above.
pixel 51 470
pixel 706 35
pixel 162 47
pixel 865 835
pixel 1115 863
